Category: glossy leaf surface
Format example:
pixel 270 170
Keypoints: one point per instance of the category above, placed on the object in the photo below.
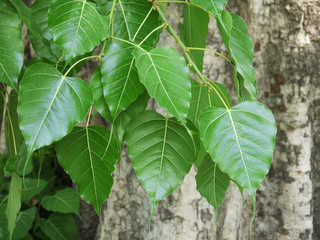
pixel 64 201
pixel 120 79
pixel 83 155
pixel 214 6
pixel 11 46
pixel 76 26
pixel 162 153
pixel 47 103
pixel 241 141
pixel 195 23
pixel 165 74
pixel 212 183
pixel 60 227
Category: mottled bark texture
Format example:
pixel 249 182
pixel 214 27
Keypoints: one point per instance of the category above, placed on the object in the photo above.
pixel 286 36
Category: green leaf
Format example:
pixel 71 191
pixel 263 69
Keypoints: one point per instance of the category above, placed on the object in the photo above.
pixel 14 202
pixel 165 74
pixel 11 54
pixel 64 201
pixel 98 97
pixel 234 32
pixel 195 23
pixel 162 153
pixel 241 141
pixel 32 187
pixel 1 171
pixel 212 183
pixel 50 104
pixel 120 79
pixel 60 227
pixel 214 6
pixel 94 152
pixel 130 15
pixel 201 98
pixel 76 26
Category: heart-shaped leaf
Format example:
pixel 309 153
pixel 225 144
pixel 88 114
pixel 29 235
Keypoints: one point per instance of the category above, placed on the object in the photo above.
pixel 88 155
pixel 76 26
pixel 11 53
pixel 241 141
pixel 64 201
pixel 50 105
pixel 212 183
pixel 195 23
pixel 165 74
pixel 162 153
pixel 214 6
pixel 120 79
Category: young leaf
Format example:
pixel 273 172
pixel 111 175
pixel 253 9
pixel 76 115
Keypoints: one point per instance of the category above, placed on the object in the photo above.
pixel 60 227
pixel 64 201
pixel 212 183
pixel 31 187
pixel 120 79
pixel 201 98
pixel 241 141
pixel 165 74
pixel 195 23
pixel 11 55
pixel 76 26
pixel 50 104
pixel 234 32
pixel 214 6
pixel 98 97
pixel 14 202
pixel 162 153
pixel 88 157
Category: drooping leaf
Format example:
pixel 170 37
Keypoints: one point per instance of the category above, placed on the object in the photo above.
pixel 214 6
pixel 202 98
pixel 165 74
pixel 76 26
pixel 99 101
pixel 1 171
pixel 14 202
pixel 88 155
pixel 241 141
pixel 50 105
pixel 161 151
pixel 130 15
pixel 212 183
pixel 11 53
pixel 60 227
pixel 120 79
pixel 31 187
pixel 64 201
pixel 195 23
pixel 234 33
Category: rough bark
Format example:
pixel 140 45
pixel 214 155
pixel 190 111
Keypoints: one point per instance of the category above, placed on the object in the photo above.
pixel 286 36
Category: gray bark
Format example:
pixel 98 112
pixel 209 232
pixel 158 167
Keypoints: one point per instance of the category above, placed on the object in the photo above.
pixel 286 36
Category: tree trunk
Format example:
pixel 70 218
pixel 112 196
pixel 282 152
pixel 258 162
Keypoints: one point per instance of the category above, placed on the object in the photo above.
pixel 286 36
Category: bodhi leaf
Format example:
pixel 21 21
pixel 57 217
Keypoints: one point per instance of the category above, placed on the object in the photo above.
pixel 201 98
pixel 60 227
pixel 76 26
pixel 165 74
pixel 64 201
pixel 11 46
pixel 31 187
pixel 195 23
pixel 234 33
pixel 214 6
pixel 120 79
pixel 212 183
pixel 88 155
pixel 241 141
pixel 99 101
pixel 50 105
pixel 1 171
pixel 162 153
pixel 14 202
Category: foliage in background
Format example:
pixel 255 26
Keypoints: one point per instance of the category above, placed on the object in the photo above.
pixel 226 143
